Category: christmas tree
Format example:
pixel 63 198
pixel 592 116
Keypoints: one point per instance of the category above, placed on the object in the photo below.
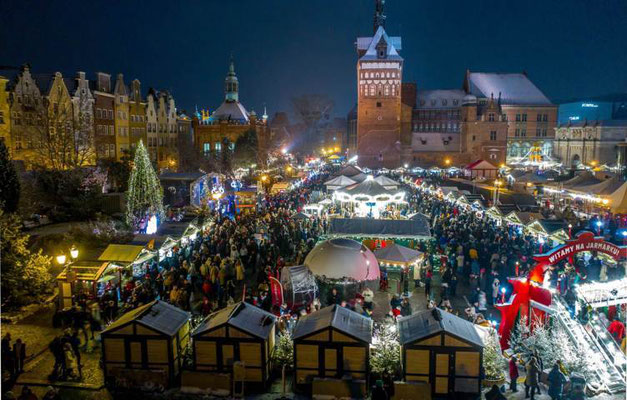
pixel 385 352
pixel 144 197
pixel 519 333
pixel 493 361
pixel 283 355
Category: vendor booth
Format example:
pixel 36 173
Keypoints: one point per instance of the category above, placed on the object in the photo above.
pixel 333 342
pixel 369 198
pixel 131 257
pixel 339 182
pixel 440 348
pixel 238 333
pixel 144 348
pixel 84 277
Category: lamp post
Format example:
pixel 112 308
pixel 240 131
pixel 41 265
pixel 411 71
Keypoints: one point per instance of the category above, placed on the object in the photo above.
pixel 570 231
pixel 497 184
pixel 70 276
pixel 599 225
pixel 503 290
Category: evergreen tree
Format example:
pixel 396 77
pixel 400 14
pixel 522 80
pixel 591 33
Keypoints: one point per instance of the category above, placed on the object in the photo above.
pixel 10 187
pixel 25 275
pixel 145 194
pixel 283 354
pixel 494 363
pixel 519 333
pixel 385 352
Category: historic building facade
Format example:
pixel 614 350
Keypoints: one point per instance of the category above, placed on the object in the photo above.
pixel 84 121
pixel 591 142
pixel 104 120
pixel 229 121
pixel 493 116
pixel 5 114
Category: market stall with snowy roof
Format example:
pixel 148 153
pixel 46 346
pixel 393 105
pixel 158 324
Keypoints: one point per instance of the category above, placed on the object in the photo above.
pixel 145 346
pixel 443 349
pixel 386 182
pixel 130 257
pixel 395 255
pixel 238 333
pixel 344 264
pixel 339 182
pixel 333 342
pixel 84 276
pixel 553 231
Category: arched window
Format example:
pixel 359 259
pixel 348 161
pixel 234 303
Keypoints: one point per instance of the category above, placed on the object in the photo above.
pixel 372 89
pixel 387 90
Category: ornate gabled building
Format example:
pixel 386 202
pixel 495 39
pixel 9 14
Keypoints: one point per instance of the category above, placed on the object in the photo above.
pixel 399 123
pixel 137 115
pixel 104 119
pixel 121 118
pixel 5 114
pixel 229 121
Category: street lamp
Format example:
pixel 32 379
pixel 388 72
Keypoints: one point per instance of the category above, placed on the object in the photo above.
pixel 503 290
pixel 61 259
pixel 497 184
pixel 570 231
pixel 447 161
pixel 74 253
pixel 599 225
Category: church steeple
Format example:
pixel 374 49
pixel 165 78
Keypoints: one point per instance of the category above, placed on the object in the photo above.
pixel 379 15
pixel 231 84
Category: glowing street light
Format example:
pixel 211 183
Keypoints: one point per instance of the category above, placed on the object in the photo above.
pixel 503 290
pixel 74 253
pixel 570 230
pixel 264 178
pixel 61 258
pixel 284 150
pixel 599 225
pixel 541 241
pixel 447 161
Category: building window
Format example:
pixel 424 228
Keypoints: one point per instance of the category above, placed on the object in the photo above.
pixel 524 117
pixel 504 117
pixel 1 117
pixel 517 132
pixel 218 146
pixel 493 156
pixel 545 117
pixel 523 133
pixel 543 132
pixel 378 104
pixel 493 135
pixel 491 117
pixel 473 138
pixel 539 117
pixel 517 117
pixel 538 129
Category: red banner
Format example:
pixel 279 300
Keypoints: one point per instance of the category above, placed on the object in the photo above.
pixel 277 291
pixel 585 241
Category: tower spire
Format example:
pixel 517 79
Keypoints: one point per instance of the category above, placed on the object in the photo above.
pixel 379 15
pixel 231 84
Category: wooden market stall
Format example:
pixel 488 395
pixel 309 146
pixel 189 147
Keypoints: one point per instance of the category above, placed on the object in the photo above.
pixel 240 332
pixel 145 346
pixel 554 231
pixel 128 255
pixel 80 276
pixel 333 342
pixel 442 349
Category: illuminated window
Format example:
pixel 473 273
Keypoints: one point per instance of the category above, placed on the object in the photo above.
pixel 218 146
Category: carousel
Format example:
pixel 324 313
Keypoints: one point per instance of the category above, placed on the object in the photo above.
pixel 369 198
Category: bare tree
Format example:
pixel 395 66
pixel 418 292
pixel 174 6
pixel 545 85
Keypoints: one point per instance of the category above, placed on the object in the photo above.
pixel 314 110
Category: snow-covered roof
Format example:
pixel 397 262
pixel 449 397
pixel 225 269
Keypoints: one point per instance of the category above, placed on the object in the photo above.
pixel 231 110
pixel 364 42
pixel 514 88
pixel 440 98
pixel 371 51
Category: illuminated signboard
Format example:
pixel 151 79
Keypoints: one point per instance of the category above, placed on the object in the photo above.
pixel 575 118
pixel 589 105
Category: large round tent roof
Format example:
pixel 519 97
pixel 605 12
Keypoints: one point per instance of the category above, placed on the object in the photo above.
pixel 343 258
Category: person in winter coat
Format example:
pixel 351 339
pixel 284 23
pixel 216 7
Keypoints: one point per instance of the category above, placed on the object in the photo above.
pixel 495 394
pixel 405 307
pixel 556 382
pixel 239 272
pixel 495 290
pixel 532 378
pixel 513 374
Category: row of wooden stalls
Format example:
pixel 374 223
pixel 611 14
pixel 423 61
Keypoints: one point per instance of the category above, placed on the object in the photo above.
pixel 441 353
pixel 552 231
pixel 119 262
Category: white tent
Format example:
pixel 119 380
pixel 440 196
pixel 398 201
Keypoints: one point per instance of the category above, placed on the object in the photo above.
pixel 386 182
pixel 339 182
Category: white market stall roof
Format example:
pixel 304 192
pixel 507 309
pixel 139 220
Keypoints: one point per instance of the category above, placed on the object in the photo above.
pixel 340 181
pixel 386 182
pixel 604 294
pixel 349 171
pixel 395 253
pixel 125 253
pixel 341 258
pixel 417 228
pixel 244 316
pixel 480 165
pixel 618 200
pixel 157 315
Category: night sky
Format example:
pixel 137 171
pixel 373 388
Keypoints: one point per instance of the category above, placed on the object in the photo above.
pixel 286 48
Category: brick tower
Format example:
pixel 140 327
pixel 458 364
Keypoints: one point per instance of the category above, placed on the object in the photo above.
pixel 379 77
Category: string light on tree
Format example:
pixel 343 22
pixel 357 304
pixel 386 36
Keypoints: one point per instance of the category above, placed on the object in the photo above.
pixel 144 198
